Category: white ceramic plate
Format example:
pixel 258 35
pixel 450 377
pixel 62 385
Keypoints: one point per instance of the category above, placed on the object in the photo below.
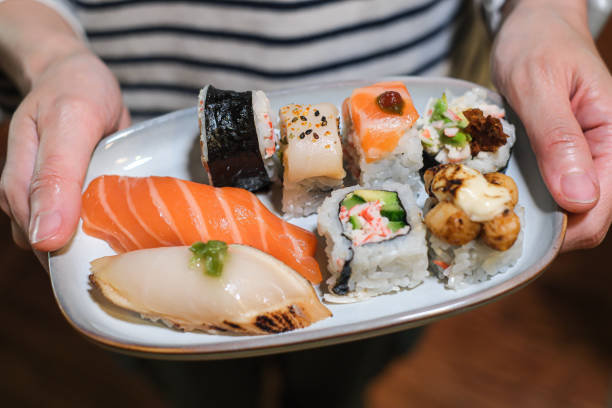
pixel 168 146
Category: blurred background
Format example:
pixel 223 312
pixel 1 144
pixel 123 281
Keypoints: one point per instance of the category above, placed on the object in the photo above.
pixel 548 345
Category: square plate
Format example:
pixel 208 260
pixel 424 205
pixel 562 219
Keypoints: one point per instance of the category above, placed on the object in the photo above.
pixel 169 146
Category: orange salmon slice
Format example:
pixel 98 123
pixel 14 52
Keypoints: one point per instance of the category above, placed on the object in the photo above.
pixel 376 131
pixel 136 213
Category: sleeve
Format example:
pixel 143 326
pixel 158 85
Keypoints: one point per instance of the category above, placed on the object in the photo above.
pixel 65 10
pixel 492 13
pixel 598 12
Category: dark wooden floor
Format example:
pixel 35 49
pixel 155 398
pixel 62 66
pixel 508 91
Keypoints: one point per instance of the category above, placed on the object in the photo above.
pixel 548 345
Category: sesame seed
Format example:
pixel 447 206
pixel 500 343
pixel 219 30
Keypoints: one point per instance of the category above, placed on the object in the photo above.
pixel 316 113
pixel 303 118
pixel 315 135
pixel 302 135
pixel 309 131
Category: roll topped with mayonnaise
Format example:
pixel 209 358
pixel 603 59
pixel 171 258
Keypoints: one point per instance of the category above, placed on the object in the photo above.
pixel 473 215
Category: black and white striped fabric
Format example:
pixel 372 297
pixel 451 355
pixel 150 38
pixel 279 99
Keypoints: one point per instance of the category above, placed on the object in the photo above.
pixel 162 52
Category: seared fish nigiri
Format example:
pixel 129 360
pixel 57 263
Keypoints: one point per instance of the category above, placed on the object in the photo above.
pixel 253 293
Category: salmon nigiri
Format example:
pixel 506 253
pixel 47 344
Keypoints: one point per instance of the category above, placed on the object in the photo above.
pixel 378 145
pixel 133 213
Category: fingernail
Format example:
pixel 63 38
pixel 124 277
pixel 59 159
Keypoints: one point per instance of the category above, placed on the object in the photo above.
pixel 46 224
pixel 578 187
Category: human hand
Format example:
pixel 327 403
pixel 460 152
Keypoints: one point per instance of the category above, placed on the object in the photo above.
pixel 545 63
pixel 73 102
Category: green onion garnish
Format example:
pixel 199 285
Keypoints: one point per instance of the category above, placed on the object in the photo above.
pixel 210 255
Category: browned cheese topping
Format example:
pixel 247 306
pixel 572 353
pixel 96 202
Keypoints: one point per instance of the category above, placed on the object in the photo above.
pixel 487 132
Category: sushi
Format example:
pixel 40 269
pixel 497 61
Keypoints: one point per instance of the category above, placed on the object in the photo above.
pixel 237 138
pixel 467 130
pixel 311 156
pixel 212 287
pixel 474 223
pixel 377 141
pixel 135 213
pixel 375 241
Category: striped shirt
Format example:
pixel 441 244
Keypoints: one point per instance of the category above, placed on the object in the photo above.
pixel 162 52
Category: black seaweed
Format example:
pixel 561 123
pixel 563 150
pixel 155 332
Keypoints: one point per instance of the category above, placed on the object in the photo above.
pixel 341 286
pixel 429 161
pixel 234 159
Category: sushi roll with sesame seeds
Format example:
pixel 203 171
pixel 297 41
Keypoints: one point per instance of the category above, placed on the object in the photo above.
pixel 311 156
pixel 237 138
pixel 375 241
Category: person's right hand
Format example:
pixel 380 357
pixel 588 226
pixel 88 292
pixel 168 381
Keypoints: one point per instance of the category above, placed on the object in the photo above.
pixel 72 104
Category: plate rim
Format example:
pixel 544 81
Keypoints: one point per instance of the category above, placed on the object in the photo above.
pixel 276 343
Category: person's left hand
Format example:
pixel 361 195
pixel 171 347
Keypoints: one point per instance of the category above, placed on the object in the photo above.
pixel 545 63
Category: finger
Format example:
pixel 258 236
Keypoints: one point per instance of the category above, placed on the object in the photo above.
pixel 69 130
pixel 125 120
pixel 587 230
pixel 563 155
pixel 19 236
pixel 21 154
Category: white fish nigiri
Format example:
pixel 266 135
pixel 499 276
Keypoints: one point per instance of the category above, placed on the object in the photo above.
pixel 255 293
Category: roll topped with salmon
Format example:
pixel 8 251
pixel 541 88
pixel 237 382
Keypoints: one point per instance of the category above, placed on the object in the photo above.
pixel 377 143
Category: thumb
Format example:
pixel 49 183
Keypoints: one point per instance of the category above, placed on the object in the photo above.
pixel 563 154
pixel 68 135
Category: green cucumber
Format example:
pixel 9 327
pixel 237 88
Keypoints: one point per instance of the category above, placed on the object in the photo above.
pixel 391 207
pixel 396 225
pixel 352 200
pixel 354 220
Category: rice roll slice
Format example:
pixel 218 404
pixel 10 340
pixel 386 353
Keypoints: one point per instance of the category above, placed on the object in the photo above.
pixel 375 241
pixel 237 138
pixel 378 144
pixel 311 156
pixel 474 223
pixel 467 129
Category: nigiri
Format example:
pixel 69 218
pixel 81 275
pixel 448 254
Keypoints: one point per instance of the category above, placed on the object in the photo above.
pixel 135 213
pixel 312 156
pixel 249 293
pixel 379 147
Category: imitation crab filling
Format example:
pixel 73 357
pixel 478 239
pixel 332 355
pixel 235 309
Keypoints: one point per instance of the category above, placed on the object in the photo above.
pixel 453 132
pixel 369 216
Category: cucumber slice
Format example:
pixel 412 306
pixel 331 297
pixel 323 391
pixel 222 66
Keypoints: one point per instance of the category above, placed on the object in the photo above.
pixel 394 214
pixel 354 220
pixel 396 225
pixel 391 207
pixel 351 200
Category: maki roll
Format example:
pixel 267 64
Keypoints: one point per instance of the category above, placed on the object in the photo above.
pixel 237 138
pixel 311 156
pixel 473 221
pixel 377 141
pixel 375 241
pixel 466 130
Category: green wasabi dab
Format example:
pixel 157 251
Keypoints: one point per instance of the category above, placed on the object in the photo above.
pixel 211 255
